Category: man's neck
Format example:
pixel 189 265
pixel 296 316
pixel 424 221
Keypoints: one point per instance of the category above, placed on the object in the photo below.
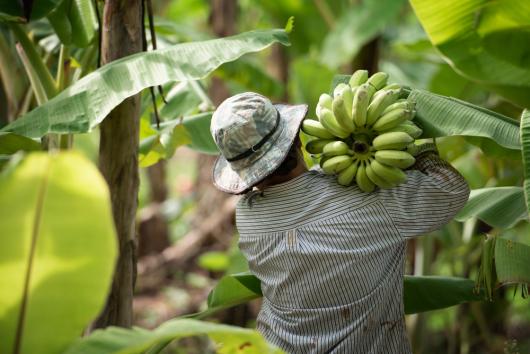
pixel 270 181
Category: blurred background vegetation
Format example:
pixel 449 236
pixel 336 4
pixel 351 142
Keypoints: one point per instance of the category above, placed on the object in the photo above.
pixel 187 239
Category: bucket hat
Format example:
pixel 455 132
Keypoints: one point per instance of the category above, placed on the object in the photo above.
pixel 254 137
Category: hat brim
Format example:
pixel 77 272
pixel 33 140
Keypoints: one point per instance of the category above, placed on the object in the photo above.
pixel 230 181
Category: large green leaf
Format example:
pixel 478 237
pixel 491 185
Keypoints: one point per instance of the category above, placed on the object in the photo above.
pixel 421 293
pixel 427 293
pixel 512 261
pixel 525 142
pixel 500 207
pixel 57 251
pixel 486 41
pixel 230 339
pixel 446 116
pixel 86 103
pixel 197 127
pixel 358 25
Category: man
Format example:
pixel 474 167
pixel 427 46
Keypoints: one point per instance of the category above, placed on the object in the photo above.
pixel 330 258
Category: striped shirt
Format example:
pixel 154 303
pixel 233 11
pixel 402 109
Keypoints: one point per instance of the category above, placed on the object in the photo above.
pixel 331 258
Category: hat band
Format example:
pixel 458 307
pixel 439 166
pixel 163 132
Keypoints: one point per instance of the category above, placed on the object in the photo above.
pixel 255 148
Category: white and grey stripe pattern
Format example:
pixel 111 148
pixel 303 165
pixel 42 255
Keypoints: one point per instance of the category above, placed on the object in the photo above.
pixel 331 258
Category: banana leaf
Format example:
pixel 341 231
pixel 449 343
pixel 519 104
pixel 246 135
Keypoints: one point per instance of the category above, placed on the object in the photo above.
pixel 500 207
pixel 512 262
pixel 421 293
pixel 11 143
pixel 57 251
pixel 440 116
pixel 230 339
pixel 525 142
pixel 447 116
pixel 86 103
pixel 485 41
pixel 357 26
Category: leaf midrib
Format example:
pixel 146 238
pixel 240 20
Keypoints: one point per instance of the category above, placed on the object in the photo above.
pixel 34 236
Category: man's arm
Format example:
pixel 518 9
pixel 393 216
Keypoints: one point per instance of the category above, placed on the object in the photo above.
pixel 433 193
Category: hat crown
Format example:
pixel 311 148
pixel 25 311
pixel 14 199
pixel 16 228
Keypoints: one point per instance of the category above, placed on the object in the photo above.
pixel 241 122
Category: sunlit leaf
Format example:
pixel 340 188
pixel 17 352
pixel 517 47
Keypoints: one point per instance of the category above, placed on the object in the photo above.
pixel 87 102
pixel 58 238
pixel 486 41
pixel 499 207
pixel 229 339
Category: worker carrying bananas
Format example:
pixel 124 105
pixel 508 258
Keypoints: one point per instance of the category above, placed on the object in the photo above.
pixel 330 258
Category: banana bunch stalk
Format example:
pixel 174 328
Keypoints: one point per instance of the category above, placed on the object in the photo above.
pixel 363 131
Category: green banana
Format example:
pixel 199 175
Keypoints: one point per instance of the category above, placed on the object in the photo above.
pixel 390 174
pixel 347 175
pixel 395 158
pixel 328 120
pixel 347 96
pixel 315 128
pixel 362 180
pixel 378 80
pixel 407 127
pixel 392 141
pixel 382 99
pixel 392 87
pixel 323 159
pixel 392 119
pixel 338 89
pixel 378 181
pixel 400 104
pixel 359 77
pixel 324 101
pixel 335 148
pixel 337 163
pixel 341 114
pixel 361 99
pixel 316 146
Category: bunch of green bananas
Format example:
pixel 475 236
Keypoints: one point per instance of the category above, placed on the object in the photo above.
pixel 363 131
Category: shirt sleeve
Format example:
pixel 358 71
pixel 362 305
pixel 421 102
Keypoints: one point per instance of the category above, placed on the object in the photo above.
pixel 433 193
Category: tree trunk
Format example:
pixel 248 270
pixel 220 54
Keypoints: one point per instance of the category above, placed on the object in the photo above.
pixel 118 159
pixel 153 236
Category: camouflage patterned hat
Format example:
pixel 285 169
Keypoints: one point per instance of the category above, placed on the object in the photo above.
pixel 254 137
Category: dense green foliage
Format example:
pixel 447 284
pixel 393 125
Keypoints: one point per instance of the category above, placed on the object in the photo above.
pixel 466 65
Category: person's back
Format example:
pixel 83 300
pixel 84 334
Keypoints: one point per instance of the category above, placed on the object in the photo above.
pixel 331 258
